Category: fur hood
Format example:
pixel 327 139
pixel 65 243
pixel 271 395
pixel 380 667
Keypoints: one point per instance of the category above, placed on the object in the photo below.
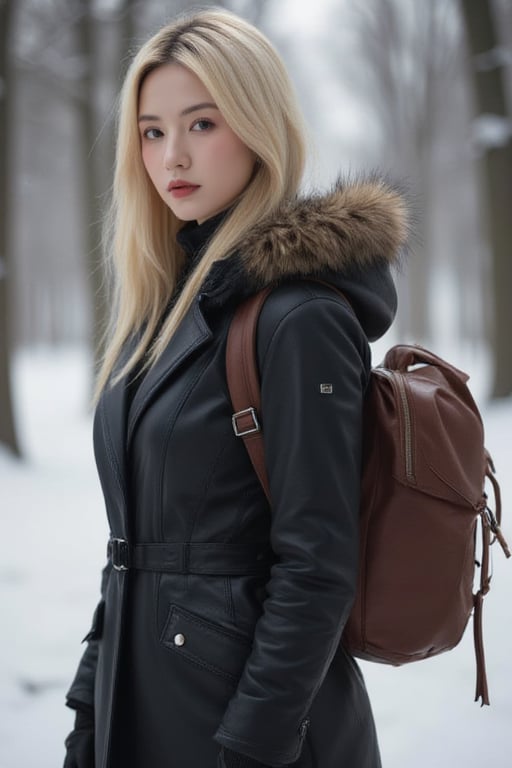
pixel 353 226
pixel 349 237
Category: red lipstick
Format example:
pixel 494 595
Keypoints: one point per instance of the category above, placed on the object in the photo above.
pixel 180 188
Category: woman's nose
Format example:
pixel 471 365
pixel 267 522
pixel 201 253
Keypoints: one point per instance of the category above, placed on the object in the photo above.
pixel 176 155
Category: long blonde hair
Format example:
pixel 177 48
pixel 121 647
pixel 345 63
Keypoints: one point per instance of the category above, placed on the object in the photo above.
pixel 249 84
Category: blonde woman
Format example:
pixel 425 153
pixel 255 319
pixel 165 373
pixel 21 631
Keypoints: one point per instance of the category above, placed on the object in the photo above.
pixel 217 639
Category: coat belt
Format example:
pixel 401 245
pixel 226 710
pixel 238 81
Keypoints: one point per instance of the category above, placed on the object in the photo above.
pixel 211 558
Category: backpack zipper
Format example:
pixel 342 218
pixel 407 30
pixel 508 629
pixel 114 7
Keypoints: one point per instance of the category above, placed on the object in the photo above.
pixel 397 377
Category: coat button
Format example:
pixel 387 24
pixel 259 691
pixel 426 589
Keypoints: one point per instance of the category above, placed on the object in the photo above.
pixel 179 639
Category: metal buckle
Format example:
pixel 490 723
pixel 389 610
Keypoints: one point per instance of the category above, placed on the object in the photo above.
pixel 120 554
pixel 247 412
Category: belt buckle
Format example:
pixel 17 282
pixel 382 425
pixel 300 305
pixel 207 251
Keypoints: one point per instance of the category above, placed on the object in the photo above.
pixel 119 554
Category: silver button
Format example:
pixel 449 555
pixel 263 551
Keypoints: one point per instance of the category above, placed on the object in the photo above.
pixel 179 639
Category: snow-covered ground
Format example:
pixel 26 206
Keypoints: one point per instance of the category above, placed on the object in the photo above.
pixel 52 549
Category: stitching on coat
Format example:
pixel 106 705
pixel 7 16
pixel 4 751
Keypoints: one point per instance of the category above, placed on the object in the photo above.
pixel 209 479
pixel 228 597
pixel 107 441
pixel 177 361
pixel 298 306
pixel 170 428
pixel 211 471
pixel 206 627
pixel 191 659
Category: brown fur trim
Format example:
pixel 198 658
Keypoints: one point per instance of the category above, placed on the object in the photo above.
pixel 354 225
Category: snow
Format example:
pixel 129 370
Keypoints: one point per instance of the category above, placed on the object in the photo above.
pixel 51 552
pixel 52 549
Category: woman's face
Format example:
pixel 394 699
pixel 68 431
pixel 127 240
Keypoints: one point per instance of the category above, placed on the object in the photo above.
pixel 197 164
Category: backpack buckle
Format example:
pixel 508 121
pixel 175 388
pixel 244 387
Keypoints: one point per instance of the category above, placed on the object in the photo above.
pixel 245 428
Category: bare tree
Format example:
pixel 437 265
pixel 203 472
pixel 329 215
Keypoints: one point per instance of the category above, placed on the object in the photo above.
pixel 85 108
pixel 95 121
pixel 493 134
pixel 406 71
pixel 7 428
pixel 77 51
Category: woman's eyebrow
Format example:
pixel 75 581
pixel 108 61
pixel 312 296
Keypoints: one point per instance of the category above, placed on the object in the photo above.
pixel 148 118
pixel 195 107
pixel 186 111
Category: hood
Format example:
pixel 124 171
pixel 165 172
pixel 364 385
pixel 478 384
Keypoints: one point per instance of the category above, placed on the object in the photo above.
pixel 349 237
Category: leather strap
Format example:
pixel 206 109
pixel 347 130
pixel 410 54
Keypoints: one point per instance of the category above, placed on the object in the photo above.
pixel 490 526
pixel 215 559
pixel 243 378
pixel 481 691
pixel 495 520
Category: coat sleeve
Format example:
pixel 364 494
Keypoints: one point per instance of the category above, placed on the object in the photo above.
pixel 81 692
pixel 312 444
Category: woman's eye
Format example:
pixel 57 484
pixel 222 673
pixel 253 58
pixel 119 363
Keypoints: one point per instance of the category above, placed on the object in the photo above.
pixel 202 125
pixel 152 133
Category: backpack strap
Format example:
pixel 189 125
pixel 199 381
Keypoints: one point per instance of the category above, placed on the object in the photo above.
pixel 243 377
pixel 481 691
pixel 490 523
pixel 243 381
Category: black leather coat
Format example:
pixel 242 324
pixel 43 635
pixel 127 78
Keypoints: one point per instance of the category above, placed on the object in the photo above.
pixel 245 654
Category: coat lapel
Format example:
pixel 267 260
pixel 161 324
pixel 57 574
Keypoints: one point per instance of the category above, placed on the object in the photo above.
pixel 192 333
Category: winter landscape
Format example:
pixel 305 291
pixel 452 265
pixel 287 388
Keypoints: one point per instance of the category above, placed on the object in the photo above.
pixel 384 84
pixel 53 545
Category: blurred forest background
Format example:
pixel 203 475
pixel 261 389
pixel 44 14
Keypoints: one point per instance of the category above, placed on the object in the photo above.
pixel 420 90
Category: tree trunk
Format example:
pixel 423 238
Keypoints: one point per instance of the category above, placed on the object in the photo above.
pixel 97 148
pixel 88 176
pixel 489 84
pixel 7 427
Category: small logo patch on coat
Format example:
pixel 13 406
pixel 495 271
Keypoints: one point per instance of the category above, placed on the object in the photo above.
pixel 326 389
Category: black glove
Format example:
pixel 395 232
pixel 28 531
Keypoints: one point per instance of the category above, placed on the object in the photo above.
pixel 230 759
pixel 80 742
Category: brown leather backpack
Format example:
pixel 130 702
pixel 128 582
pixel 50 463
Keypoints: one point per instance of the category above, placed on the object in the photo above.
pixel 424 472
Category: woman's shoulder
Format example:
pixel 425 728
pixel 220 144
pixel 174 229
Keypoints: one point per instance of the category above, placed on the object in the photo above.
pixel 301 312
pixel 305 296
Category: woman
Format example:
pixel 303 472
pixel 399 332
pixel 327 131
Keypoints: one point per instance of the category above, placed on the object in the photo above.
pixel 217 639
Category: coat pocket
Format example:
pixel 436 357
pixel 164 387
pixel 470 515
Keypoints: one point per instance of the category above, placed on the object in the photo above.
pixel 205 644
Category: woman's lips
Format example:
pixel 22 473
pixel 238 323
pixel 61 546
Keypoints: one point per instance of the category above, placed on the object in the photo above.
pixel 182 190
